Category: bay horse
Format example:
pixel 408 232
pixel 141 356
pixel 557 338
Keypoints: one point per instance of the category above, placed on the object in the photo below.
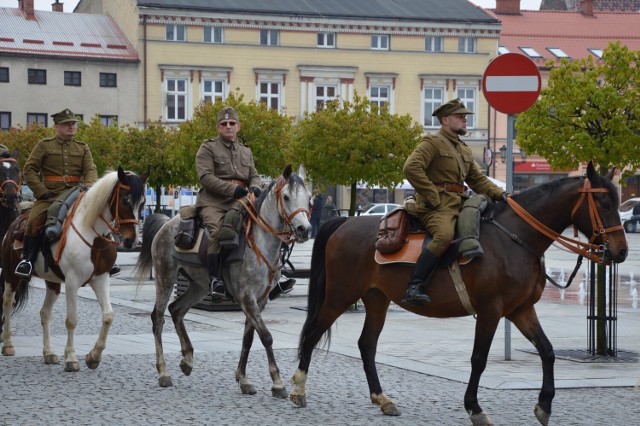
pixel 84 254
pixel 506 282
pixel 281 215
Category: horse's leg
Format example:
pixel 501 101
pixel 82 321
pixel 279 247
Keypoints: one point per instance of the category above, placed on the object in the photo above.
pixel 8 297
pixel 163 295
pixel 528 324
pixel 50 297
pixel 376 304
pixel 309 338
pixel 252 311
pixel 178 309
pixel 71 322
pixel 241 372
pixel 100 287
pixel 486 326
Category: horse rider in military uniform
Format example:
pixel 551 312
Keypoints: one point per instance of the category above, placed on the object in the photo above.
pixel 54 165
pixel 438 168
pixel 227 173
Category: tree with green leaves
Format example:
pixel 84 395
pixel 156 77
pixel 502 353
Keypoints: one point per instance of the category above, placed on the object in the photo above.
pixel 265 131
pixel 588 111
pixel 104 142
pixel 348 142
pixel 24 139
pixel 149 149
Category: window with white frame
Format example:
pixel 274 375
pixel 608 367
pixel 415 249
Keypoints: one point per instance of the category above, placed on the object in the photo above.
pixel 325 93
pixel 380 42
pixel 327 40
pixel 433 44
pixel 379 95
pixel 269 37
pixel 433 98
pixel 175 95
pixel 176 32
pixel 269 93
pixel 214 90
pixel 109 120
pixel 468 97
pixel 467 44
pixel 213 35
pixel 37 117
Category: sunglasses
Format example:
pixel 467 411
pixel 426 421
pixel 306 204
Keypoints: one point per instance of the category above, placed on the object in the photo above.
pixel 227 123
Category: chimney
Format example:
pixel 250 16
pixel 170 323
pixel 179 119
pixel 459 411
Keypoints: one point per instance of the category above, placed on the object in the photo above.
pixel 26 6
pixel 586 7
pixel 57 7
pixel 507 7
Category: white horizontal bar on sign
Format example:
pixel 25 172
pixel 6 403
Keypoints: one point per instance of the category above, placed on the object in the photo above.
pixel 512 83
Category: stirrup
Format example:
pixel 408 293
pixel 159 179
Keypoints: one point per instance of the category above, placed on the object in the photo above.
pixel 415 297
pixel 217 289
pixel 24 269
pixel 114 271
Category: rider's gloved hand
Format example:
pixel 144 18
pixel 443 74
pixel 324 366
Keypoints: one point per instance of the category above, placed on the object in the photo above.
pixel 239 192
pixel 46 195
pixel 256 191
pixel 504 196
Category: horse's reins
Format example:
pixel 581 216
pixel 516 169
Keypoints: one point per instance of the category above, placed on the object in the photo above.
pixel 287 235
pixel 588 250
pixel 17 184
pixel 115 228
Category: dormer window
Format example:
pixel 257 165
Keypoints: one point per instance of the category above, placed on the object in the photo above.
pixel 557 52
pixel 531 52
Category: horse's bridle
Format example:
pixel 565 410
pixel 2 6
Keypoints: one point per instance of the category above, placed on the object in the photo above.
pixel 116 228
pixel 18 184
pixel 287 235
pixel 593 252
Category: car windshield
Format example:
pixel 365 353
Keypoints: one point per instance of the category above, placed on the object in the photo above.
pixel 629 204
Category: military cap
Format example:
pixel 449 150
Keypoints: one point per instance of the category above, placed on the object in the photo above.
pixel 64 116
pixel 227 113
pixel 452 107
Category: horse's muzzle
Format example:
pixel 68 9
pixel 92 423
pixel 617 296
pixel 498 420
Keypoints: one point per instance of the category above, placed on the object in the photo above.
pixel 128 243
pixel 303 233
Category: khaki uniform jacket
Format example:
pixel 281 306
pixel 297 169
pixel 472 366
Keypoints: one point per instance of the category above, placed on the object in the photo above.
pixel 55 157
pixel 440 158
pixel 217 162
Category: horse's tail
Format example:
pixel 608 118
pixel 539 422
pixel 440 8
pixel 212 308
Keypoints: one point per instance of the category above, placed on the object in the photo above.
pixel 317 281
pixel 152 225
pixel 21 298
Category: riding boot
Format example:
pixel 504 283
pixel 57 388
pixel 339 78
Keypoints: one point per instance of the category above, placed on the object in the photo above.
pixel 424 268
pixel 115 270
pixel 216 287
pixel 283 287
pixel 24 268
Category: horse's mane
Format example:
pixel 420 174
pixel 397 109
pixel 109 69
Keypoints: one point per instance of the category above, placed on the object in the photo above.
pixel 294 179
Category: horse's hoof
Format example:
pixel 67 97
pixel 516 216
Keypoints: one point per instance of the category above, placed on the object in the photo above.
pixel 390 409
pixel 51 359
pixel 480 419
pixel 186 368
pixel 70 366
pixel 279 393
pixel 91 363
pixel 541 415
pixel 8 350
pixel 298 400
pixel 165 382
pixel 247 389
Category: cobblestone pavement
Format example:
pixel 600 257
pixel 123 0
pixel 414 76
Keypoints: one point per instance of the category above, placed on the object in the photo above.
pixel 414 353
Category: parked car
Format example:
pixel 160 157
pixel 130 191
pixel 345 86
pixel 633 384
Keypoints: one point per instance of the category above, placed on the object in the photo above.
pixel 27 194
pixel 626 211
pixel 378 209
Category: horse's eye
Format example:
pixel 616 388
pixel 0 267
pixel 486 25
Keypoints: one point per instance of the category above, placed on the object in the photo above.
pixel 286 197
pixel 127 200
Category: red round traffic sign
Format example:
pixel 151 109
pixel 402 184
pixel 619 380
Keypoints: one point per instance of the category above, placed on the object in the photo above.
pixel 511 83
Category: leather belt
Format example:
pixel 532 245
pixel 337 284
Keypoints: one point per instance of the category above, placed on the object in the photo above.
pixel 237 182
pixel 65 178
pixel 451 187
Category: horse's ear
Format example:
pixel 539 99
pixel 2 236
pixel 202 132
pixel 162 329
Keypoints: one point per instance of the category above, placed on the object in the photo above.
pixel 286 173
pixel 16 153
pixel 591 171
pixel 611 173
pixel 122 176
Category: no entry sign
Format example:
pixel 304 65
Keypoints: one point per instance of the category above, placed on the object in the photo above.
pixel 511 83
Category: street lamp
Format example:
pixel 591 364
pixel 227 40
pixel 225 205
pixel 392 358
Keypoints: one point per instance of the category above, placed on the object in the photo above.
pixel 503 154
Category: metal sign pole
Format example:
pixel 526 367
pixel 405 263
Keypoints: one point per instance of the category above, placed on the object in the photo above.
pixel 507 323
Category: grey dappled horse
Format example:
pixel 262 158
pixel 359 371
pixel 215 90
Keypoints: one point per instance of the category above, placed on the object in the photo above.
pixel 281 215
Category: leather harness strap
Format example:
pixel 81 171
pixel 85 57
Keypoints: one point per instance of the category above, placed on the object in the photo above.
pixel 65 178
pixel 451 187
